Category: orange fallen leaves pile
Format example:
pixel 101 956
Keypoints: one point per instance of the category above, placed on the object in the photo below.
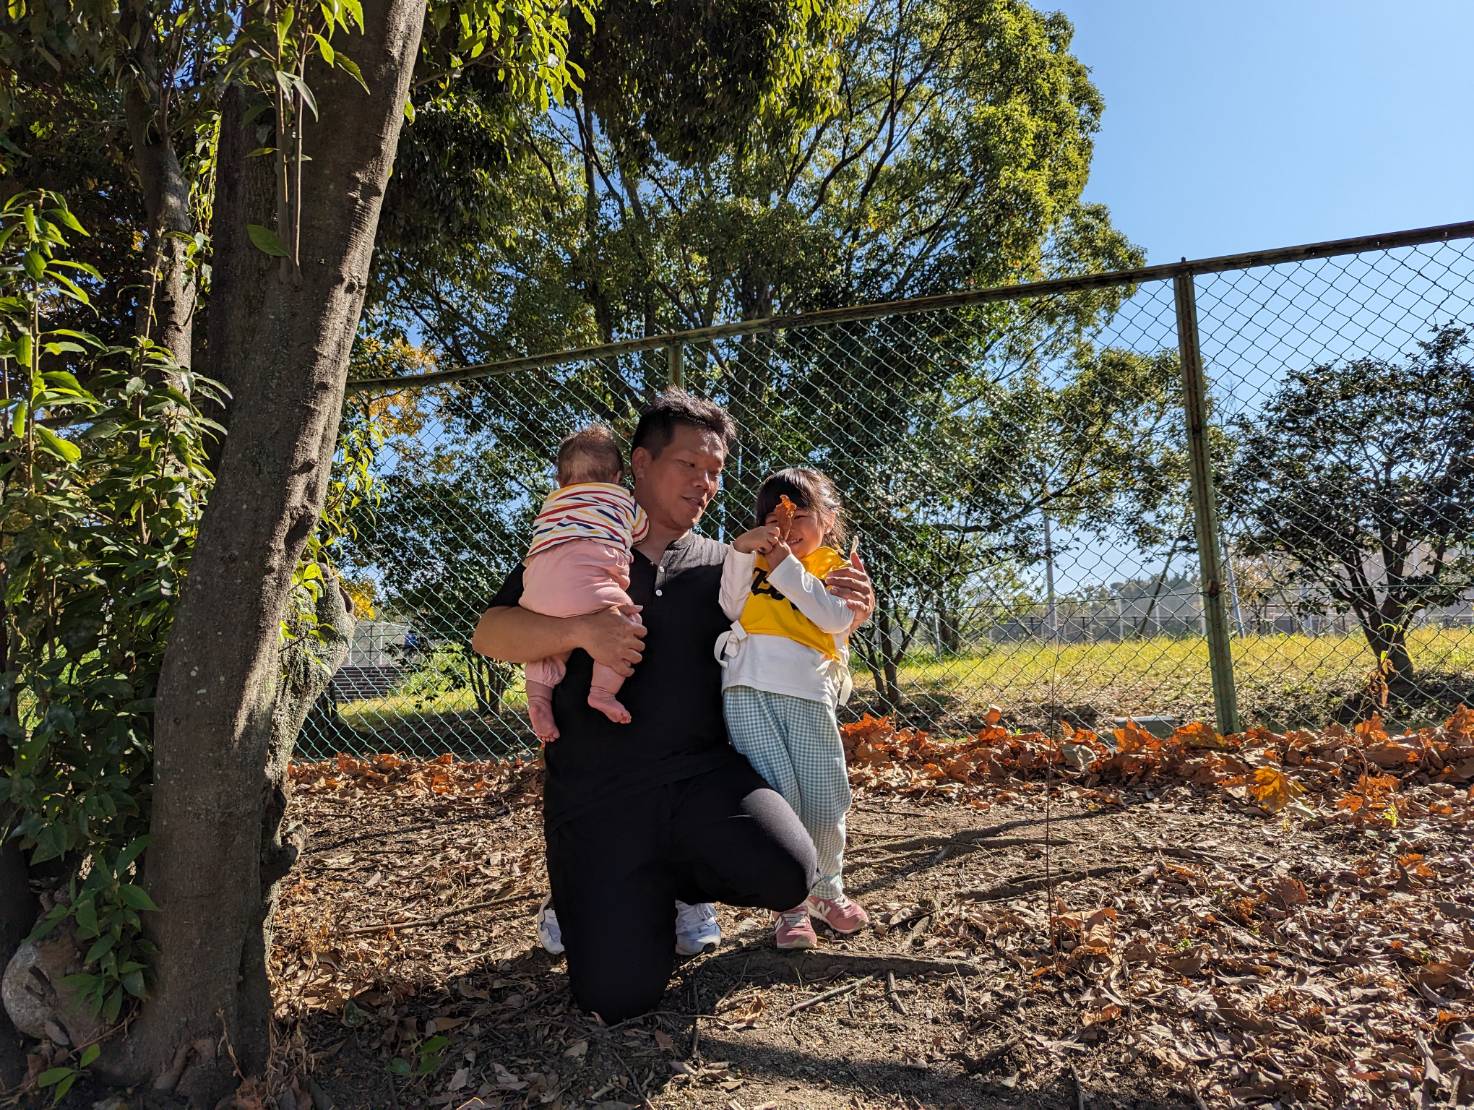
pixel 444 775
pixel 1357 769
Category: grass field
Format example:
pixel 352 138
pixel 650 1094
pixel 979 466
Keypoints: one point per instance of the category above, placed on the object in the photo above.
pixel 1283 681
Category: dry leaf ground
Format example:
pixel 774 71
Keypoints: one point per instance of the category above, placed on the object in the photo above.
pixel 1104 921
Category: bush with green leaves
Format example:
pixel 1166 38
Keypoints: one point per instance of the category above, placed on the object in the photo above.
pixel 101 489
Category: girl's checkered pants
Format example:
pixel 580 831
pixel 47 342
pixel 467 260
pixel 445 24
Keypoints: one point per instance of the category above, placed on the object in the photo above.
pixel 794 743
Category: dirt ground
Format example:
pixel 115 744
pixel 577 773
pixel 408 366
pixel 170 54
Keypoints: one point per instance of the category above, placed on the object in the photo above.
pixel 1057 943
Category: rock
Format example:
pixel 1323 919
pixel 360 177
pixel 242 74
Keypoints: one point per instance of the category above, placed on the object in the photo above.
pixel 35 999
pixel 1160 727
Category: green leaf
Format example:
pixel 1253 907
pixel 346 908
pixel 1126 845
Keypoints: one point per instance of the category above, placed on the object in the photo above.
pixel 136 897
pixel 399 1066
pixel 72 289
pixel 85 912
pixel 133 983
pixel 62 1088
pixel 90 1054
pixel 112 1006
pixel 409 109
pixel 52 1076
pixel 131 853
pixel 306 93
pixel 325 47
pixel 348 64
pixel 65 348
pixel 34 263
pixel 64 448
pixel 18 418
pixel 67 219
pixel 100 948
pixel 355 9
pixel 47 925
pixel 266 241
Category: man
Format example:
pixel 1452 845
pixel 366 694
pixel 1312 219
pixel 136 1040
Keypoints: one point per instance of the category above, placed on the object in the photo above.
pixel 639 815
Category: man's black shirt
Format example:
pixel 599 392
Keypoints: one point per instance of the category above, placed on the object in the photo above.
pixel 674 696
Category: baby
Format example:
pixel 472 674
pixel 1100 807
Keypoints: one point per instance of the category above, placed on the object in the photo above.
pixel 579 562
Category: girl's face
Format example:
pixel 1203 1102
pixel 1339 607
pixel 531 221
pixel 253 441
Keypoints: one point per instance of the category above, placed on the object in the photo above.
pixel 807 533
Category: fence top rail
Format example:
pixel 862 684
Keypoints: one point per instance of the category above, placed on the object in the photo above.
pixel 1161 272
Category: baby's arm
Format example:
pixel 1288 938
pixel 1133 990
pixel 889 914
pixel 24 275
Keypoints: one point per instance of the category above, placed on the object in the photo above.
pixel 809 596
pixel 736 581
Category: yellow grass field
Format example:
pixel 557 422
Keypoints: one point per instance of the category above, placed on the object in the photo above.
pixel 1283 681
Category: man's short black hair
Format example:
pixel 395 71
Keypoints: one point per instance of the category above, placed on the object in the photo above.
pixel 671 407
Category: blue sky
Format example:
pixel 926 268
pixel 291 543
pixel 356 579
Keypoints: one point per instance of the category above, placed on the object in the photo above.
pixel 1259 123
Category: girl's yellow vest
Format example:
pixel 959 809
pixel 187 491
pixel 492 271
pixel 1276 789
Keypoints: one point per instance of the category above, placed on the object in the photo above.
pixel 769 613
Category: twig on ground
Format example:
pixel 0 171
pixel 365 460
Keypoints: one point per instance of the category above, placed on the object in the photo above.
pixel 435 919
pixel 824 996
pixel 1023 884
pixel 890 993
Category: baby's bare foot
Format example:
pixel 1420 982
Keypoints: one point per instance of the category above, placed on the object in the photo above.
pixel 541 714
pixel 607 704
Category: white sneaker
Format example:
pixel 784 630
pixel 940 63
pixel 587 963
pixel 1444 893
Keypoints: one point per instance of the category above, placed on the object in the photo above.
pixel 697 930
pixel 547 928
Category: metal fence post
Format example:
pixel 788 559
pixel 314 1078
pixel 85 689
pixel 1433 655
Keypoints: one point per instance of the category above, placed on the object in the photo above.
pixel 677 353
pixel 1205 507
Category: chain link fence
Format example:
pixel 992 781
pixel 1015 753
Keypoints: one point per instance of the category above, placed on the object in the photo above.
pixel 1238 490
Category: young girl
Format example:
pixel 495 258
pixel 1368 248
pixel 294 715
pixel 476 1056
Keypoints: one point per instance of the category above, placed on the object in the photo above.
pixel 579 562
pixel 784 671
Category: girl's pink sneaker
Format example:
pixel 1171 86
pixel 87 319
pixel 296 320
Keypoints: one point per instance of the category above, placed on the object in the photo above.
pixel 793 930
pixel 840 914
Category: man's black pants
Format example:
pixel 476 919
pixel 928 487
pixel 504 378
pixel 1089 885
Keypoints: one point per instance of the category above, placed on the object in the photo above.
pixel 616 871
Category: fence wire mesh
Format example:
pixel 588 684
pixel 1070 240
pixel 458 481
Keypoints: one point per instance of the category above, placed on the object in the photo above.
pixel 1015 470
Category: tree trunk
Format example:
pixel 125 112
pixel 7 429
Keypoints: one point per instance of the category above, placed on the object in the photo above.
pixel 1389 641
pixel 219 693
pixel 166 311
pixel 306 671
pixel 245 193
pixel 888 678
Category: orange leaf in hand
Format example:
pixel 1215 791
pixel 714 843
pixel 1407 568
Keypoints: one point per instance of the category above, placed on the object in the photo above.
pixel 785 510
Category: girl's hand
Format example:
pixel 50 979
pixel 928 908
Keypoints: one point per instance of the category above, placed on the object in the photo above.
pixel 758 540
pixel 777 551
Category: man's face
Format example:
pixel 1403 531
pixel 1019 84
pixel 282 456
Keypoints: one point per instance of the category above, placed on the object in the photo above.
pixel 676 486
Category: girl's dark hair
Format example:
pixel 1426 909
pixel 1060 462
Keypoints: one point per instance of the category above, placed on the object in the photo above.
pixel 808 489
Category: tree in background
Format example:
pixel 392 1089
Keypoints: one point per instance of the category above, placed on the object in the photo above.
pixel 1358 478
pixel 929 148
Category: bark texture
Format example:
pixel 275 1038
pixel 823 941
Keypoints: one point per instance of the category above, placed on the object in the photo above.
pixel 245 193
pixel 220 691
pixel 167 316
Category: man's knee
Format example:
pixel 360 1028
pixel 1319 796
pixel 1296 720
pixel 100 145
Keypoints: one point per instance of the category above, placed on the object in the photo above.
pixel 619 996
pixel 792 876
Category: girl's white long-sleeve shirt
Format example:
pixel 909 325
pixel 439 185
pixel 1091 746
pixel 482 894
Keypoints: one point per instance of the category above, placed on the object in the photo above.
pixel 799 609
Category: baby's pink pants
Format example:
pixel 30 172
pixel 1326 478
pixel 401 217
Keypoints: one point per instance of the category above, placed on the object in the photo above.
pixel 570 580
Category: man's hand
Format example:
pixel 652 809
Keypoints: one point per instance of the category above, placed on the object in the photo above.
pixel 851 584
pixel 614 637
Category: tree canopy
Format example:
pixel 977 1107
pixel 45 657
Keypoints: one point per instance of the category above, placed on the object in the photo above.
pixel 1358 477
